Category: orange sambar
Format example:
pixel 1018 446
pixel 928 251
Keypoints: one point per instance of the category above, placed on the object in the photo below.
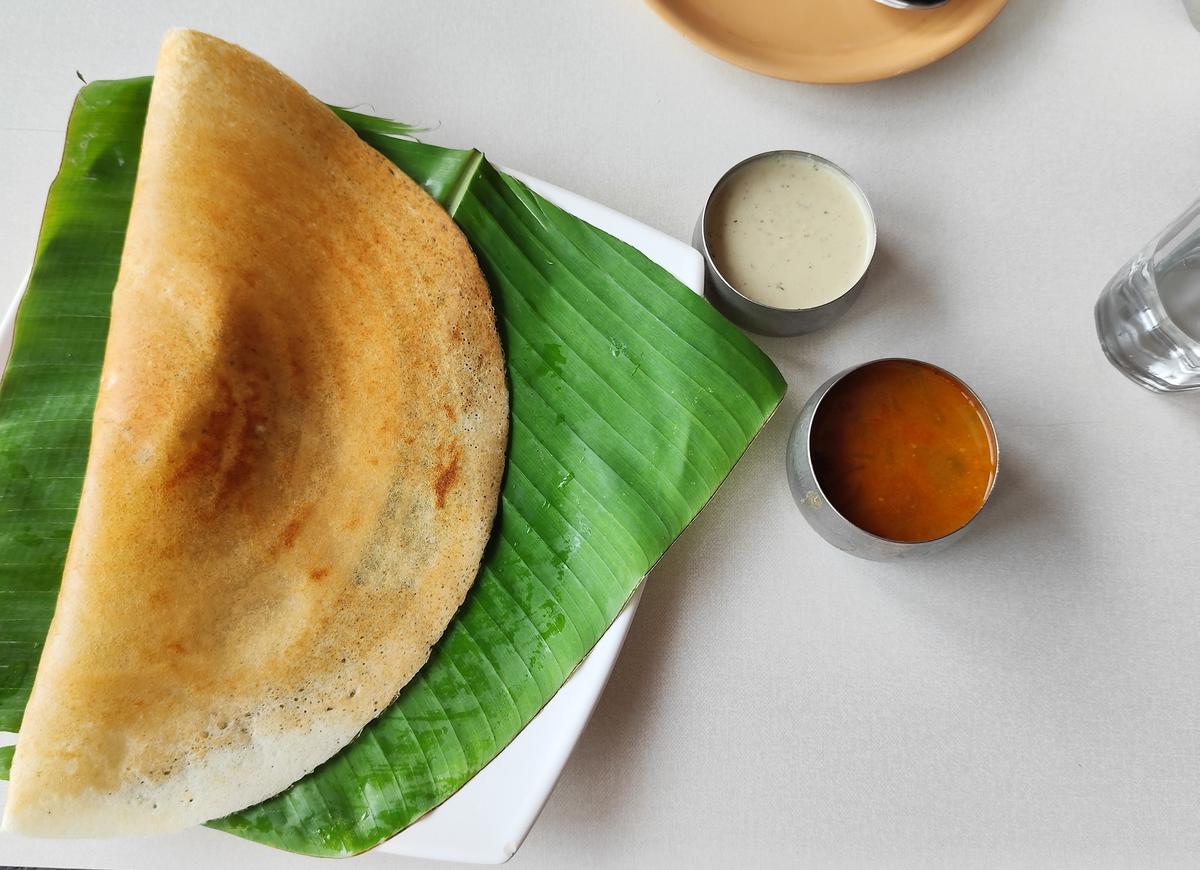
pixel 903 451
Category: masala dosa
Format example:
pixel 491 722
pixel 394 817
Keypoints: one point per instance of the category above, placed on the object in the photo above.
pixel 296 457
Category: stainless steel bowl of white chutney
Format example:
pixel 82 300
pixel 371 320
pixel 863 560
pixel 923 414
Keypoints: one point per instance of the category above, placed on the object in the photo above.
pixel 787 239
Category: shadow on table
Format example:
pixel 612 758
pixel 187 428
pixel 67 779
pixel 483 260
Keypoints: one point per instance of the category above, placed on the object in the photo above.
pixel 897 284
pixel 1184 404
pixel 1006 42
pixel 1024 506
pixel 607 756
pixel 891 110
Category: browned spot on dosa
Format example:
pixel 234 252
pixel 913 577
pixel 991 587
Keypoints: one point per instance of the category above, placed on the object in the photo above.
pixel 287 537
pixel 224 450
pixel 203 459
pixel 318 573
pixel 446 476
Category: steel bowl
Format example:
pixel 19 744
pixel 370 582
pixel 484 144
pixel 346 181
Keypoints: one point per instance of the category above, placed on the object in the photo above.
pixel 827 520
pixel 767 319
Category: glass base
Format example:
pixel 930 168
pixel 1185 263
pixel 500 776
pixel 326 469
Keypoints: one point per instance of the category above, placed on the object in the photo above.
pixel 1138 336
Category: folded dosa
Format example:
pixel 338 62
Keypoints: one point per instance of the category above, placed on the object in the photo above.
pixel 296 456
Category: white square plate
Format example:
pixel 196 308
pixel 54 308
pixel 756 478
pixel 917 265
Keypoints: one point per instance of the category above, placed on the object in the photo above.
pixel 486 821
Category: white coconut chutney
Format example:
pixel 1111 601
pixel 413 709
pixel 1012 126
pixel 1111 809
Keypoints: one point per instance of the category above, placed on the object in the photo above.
pixel 789 231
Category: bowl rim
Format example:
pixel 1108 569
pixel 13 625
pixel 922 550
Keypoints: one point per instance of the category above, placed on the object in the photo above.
pixel 989 425
pixel 860 194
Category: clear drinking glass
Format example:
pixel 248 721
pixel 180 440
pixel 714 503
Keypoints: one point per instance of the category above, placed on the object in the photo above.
pixel 1148 317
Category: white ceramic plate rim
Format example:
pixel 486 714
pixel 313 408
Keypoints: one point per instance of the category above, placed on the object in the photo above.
pixel 486 821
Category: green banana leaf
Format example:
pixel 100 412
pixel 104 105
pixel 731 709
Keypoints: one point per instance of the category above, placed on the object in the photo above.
pixel 631 401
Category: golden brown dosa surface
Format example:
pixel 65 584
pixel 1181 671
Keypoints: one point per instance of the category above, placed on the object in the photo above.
pixel 296 457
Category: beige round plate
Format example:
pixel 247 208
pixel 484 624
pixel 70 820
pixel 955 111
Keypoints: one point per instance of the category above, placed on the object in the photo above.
pixel 827 40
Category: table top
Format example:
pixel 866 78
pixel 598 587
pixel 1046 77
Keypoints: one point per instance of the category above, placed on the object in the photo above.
pixel 1028 698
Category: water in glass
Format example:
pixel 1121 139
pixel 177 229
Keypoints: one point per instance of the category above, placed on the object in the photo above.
pixel 1148 317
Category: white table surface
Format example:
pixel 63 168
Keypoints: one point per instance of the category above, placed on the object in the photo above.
pixel 1031 698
